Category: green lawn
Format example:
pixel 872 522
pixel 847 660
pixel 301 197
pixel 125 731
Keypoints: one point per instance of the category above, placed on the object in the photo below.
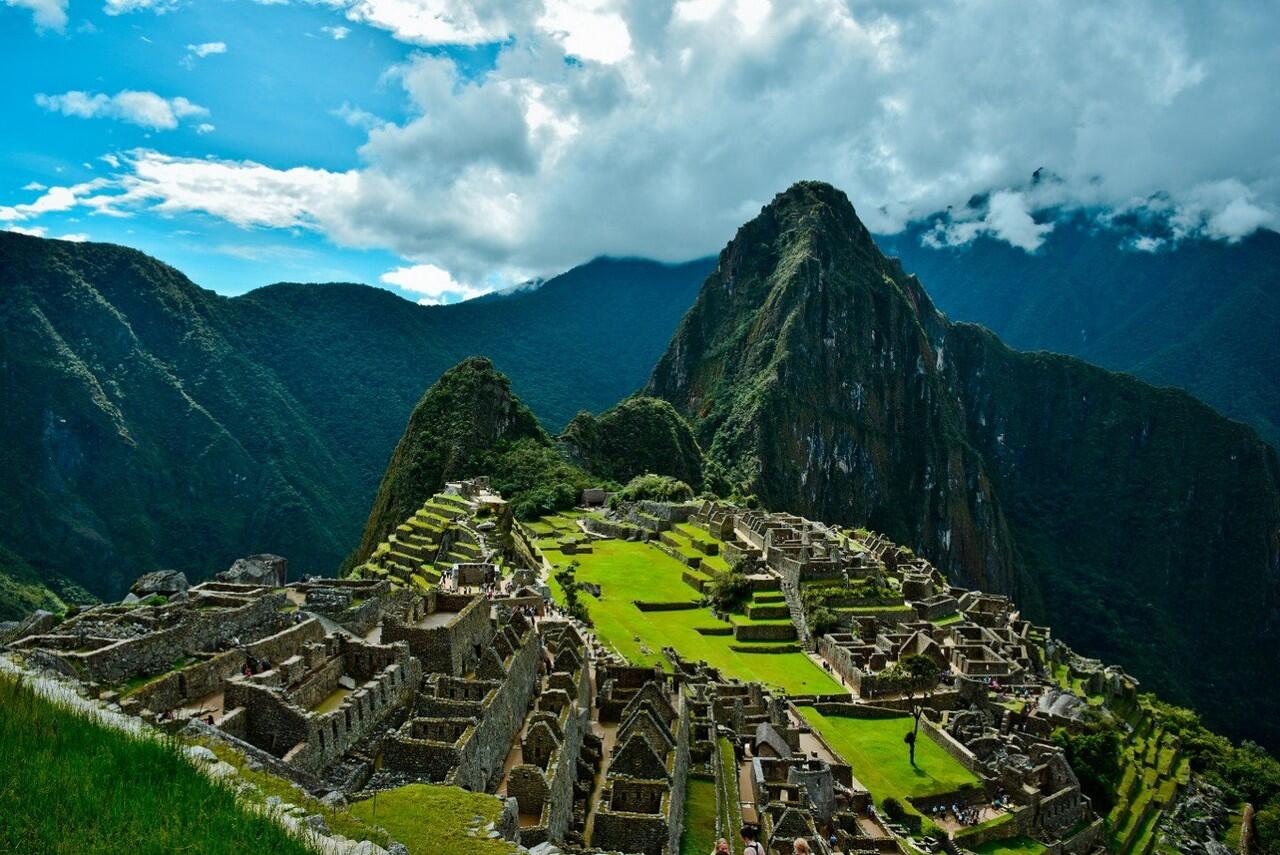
pixel 875 750
pixel 432 819
pixel 1012 846
pixel 699 835
pixel 70 785
pixel 627 571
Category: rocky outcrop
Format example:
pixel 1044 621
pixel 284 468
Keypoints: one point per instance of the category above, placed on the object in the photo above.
pixel 165 583
pixel 270 570
pixel 470 409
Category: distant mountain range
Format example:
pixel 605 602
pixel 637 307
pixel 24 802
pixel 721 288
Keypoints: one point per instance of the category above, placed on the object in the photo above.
pixel 151 423
pixel 1202 315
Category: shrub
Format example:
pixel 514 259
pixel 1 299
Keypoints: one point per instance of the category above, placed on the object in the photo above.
pixel 656 488
pixel 728 591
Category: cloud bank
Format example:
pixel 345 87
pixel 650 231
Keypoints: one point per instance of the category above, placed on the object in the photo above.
pixel 655 127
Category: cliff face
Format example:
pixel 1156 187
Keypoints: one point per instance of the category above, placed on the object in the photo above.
pixel 469 410
pixel 818 375
pixel 814 372
pixel 1151 522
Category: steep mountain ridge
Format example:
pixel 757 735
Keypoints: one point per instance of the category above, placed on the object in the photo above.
pixel 151 423
pixel 819 376
pixel 469 410
pixel 807 346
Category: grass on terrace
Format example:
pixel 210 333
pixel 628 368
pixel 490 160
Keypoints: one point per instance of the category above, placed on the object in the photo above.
pixel 628 571
pixel 70 785
pixel 699 835
pixel 878 756
pixel 431 819
pixel 1012 846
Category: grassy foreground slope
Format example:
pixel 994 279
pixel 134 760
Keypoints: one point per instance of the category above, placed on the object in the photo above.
pixel 70 785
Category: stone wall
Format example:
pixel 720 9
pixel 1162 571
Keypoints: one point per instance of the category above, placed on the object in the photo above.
pixel 197 630
pixel 473 755
pixel 454 647
pixel 267 716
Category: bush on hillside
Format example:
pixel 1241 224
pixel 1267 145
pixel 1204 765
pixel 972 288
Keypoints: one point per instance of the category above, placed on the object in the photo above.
pixel 653 488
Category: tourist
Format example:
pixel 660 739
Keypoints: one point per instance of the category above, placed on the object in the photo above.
pixel 750 846
pixel 722 847
pixel 800 847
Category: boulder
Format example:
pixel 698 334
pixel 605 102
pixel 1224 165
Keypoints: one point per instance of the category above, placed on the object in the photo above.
pixel 269 570
pixel 200 753
pixel 166 583
pixel 37 623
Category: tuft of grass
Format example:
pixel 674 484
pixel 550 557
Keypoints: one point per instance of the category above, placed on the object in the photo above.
pixel 70 785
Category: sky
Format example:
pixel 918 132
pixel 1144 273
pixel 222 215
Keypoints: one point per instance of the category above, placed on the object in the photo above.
pixel 442 148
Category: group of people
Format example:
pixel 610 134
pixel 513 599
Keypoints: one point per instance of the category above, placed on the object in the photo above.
pixel 965 814
pixel 751 846
pixel 254 665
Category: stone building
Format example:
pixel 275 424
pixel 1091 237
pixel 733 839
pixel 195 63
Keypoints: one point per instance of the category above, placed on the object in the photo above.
pixel 311 707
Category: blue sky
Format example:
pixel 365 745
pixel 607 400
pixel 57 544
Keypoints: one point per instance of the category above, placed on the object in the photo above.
pixel 274 96
pixel 443 148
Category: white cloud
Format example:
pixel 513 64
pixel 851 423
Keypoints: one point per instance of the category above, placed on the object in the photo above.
pixel 200 51
pixel 432 22
pixel 205 128
pixel 662 143
pixel 337 33
pixel 587 29
pixel 47 14
pixel 123 7
pixel 435 284
pixel 1007 215
pixel 74 237
pixel 1227 210
pixel 33 231
pixel 146 109
pixel 357 117
pixel 35 186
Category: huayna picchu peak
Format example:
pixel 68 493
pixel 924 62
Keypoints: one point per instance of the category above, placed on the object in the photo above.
pixel 819 377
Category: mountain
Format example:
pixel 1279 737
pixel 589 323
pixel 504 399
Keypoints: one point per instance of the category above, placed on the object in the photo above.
pixel 470 409
pixel 637 436
pixel 1203 315
pixel 820 376
pixel 150 423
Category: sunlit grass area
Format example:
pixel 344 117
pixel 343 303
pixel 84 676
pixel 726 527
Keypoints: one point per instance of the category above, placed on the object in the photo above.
pixel 70 785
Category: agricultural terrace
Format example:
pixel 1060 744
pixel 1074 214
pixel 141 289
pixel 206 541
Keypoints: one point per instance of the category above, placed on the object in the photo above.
pixel 874 749
pixel 699 834
pixel 630 571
